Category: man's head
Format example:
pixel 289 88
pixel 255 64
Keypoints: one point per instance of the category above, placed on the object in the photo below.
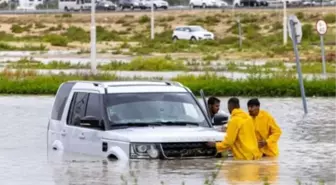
pixel 233 103
pixel 253 107
pixel 213 104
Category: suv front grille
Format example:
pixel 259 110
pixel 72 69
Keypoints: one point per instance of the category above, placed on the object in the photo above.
pixel 187 150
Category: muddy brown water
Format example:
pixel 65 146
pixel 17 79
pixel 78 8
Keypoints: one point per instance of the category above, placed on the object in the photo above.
pixel 307 151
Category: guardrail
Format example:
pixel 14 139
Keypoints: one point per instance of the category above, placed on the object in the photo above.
pixel 57 11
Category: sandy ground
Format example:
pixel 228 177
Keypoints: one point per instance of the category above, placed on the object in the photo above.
pixel 129 21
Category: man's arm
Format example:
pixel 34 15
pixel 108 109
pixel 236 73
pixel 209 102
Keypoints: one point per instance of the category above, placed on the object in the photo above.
pixel 275 131
pixel 231 135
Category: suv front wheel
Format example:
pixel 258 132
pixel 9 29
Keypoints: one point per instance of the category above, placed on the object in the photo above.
pixel 193 39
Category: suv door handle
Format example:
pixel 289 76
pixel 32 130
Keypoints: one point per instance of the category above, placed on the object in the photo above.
pixel 63 133
pixel 81 136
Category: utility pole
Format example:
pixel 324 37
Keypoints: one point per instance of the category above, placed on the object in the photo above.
pixel 93 38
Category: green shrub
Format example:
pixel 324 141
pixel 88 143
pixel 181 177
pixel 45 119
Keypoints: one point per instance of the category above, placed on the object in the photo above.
pixel 20 29
pixel 31 83
pixel 26 63
pixel 74 33
pixel 330 18
pixel 56 40
pixel 144 19
pixel 147 64
pixel 105 35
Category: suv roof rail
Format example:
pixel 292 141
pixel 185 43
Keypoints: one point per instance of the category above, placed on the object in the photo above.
pixel 174 83
pixel 95 83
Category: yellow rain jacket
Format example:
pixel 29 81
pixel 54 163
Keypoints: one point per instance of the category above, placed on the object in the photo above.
pixel 268 130
pixel 240 137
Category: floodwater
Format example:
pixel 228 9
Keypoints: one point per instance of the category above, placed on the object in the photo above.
pixel 307 151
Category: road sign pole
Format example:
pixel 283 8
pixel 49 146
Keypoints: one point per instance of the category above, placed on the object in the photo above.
pixel 323 56
pixel 321 28
pixel 298 66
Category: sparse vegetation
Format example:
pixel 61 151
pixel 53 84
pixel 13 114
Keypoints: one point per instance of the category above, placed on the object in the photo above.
pixel 169 64
pixel 261 33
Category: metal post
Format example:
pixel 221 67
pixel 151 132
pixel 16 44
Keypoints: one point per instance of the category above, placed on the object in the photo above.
pixel 152 20
pixel 240 33
pixel 323 56
pixel 284 22
pixel 298 67
pixel 93 38
pixel 233 8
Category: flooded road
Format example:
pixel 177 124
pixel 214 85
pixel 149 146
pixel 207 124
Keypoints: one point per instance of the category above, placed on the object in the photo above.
pixel 307 151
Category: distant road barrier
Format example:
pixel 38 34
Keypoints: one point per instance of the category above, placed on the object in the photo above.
pixel 57 11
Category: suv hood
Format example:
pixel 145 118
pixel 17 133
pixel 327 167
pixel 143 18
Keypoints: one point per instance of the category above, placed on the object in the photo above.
pixel 165 134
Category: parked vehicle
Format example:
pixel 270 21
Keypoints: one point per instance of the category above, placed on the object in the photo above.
pixel 253 3
pixel 221 4
pixel 74 5
pixel 129 4
pixel 292 3
pixel 309 3
pixel 192 33
pixel 131 120
pixel 105 5
pixel 207 3
pixel 147 4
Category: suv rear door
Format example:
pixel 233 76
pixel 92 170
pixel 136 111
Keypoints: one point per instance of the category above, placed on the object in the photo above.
pixel 56 132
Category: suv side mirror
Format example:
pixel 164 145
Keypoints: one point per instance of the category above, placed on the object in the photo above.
pixel 90 122
pixel 220 119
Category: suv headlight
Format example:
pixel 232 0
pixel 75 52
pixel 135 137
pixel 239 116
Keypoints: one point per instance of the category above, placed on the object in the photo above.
pixel 144 150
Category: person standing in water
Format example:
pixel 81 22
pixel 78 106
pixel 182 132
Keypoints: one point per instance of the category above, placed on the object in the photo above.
pixel 240 135
pixel 267 130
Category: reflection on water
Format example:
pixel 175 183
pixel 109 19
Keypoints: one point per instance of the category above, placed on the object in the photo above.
pixel 307 151
pixel 248 172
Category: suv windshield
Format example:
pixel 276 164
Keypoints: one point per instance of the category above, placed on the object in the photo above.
pixel 154 108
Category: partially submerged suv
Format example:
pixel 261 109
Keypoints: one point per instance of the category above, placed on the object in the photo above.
pixel 131 120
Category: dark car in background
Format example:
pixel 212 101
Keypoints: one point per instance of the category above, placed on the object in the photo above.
pixel 106 6
pixel 130 4
pixel 253 3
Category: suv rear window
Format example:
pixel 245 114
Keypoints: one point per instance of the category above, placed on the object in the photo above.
pixel 60 100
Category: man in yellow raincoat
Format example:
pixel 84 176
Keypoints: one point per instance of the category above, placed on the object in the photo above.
pixel 267 130
pixel 240 135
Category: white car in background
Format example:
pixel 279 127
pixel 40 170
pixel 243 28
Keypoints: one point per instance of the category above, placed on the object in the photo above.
pixel 221 4
pixel 207 3
pixel 192 33
pixel 147 4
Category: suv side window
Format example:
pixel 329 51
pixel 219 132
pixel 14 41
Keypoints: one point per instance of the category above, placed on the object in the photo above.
pixel 93 106
pixel 77 108
pixel 60 100
pixel 84 104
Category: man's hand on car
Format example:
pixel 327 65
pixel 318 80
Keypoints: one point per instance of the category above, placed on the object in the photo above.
pixel 211 144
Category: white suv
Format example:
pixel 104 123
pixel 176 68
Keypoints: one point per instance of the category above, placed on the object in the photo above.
pixel 192 33
pixel 131 120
